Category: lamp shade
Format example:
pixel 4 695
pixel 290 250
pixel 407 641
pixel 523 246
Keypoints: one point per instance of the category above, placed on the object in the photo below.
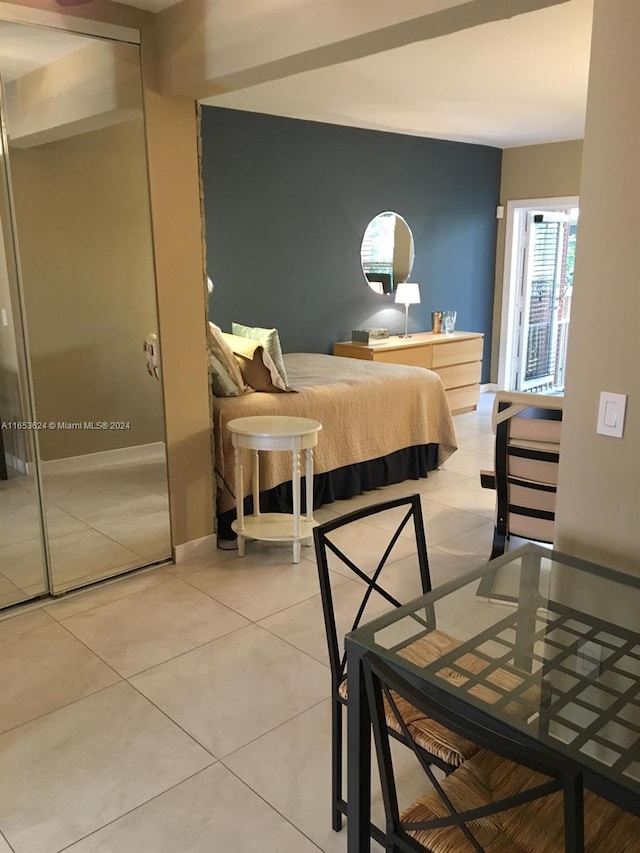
pixel 408 293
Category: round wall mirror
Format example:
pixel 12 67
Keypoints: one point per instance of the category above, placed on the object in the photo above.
pixel 387 252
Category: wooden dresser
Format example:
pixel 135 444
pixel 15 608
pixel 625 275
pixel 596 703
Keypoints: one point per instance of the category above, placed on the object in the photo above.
pixel 456 358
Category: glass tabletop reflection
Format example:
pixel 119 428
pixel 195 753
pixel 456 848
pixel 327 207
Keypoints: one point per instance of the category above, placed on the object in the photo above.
pixel 544 644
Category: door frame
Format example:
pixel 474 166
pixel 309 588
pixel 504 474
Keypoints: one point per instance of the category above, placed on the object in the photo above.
pixel 510 277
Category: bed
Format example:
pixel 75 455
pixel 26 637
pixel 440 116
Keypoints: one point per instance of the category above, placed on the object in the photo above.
pixel 382 423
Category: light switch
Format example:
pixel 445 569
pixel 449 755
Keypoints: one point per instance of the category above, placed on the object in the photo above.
pixel 611 414
pixel 5 321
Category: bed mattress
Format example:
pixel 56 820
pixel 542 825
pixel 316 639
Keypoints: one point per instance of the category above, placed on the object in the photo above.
pixel 367 410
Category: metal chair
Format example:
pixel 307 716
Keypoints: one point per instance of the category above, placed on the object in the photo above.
pixel 505 797
pixel 493 802
pixel 439 746
pixel 527 452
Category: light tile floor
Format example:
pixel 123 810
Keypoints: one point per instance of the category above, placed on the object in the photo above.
pixel 185 708
pixel 103 518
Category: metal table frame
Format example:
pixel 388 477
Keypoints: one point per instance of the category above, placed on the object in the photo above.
pixel 525 626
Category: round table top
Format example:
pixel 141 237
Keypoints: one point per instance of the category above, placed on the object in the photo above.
pixel 272 425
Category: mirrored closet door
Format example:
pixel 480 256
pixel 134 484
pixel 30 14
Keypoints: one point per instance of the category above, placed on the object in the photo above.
pixel 76 206
pixel 23 569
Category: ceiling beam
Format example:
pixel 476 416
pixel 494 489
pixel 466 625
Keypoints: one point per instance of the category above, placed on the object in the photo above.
pixel 209 48
pixel 90 88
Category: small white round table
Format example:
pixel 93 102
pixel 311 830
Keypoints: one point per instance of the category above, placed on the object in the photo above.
pixel 272 432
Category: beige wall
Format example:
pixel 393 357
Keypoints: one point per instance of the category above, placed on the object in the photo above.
pixel 171 128
pixel 532 171
pixel 598 512
pixel 82 211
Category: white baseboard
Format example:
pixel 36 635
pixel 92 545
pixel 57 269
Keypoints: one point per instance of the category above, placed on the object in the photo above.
pixel 18 464
pixel 195 548
pixel 489 386
pixel 117 456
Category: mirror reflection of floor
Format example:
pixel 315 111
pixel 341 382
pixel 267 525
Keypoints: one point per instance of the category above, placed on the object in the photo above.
pixel 102 518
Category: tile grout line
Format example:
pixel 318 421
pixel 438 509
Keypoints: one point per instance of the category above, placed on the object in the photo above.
pixel 271 806
pixel 62 707
pixel 114 582
pixel 267 615
pixel 26 607
pixel 125 680
pixel 121 679
pixel 135 808
pixel 89 526
pixel 292 645
pixel 175 723
pixel 154 665
pixel 5 839
pixel 274 729
pixel 262 734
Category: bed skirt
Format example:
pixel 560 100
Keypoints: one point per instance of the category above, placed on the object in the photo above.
pixel 342 483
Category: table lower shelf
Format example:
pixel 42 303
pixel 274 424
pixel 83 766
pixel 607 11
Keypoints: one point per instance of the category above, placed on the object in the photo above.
pixel 274 527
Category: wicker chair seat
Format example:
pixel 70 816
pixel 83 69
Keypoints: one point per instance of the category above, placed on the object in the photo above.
pixel 536 827
pixel 432 646
pixel 433 737
pixel 451 748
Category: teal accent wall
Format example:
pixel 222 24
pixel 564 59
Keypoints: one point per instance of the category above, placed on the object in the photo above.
pixel 287 203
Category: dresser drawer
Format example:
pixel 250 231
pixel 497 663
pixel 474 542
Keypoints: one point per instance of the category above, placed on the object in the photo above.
pixel 463 399
pixel 456 358
pixel 411 356
pixel 456 352
pixel 460 374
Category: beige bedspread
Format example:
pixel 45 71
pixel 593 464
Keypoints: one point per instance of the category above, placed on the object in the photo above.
pixel 366 410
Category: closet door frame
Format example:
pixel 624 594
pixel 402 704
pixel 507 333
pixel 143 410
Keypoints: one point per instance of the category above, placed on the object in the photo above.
pixel 64 23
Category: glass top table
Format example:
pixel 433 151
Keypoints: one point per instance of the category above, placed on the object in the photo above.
pixel 541 646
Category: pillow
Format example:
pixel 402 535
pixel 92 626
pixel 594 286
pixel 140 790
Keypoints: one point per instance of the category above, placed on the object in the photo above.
pixel 222 384
pixel 269 339
pixel 256 365
pixel 224 367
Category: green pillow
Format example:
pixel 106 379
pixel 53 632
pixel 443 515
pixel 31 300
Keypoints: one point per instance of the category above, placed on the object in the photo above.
pixel 269 339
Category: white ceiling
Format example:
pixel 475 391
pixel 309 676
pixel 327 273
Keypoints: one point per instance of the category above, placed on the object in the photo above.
pixel 513 82
pixel 509 83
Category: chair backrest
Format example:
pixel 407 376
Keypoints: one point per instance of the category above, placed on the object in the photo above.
pixel 409 510
pixel 385 686
pixel 527 452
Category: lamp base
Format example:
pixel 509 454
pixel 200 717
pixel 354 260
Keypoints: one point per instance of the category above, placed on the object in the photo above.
pixel 406 322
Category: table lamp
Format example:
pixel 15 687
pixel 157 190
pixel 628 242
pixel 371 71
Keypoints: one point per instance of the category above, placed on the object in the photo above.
pixel 407 293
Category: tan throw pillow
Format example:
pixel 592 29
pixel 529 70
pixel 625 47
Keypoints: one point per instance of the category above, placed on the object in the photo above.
pixel 269 339
pixel 224 356
pixel 256 365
